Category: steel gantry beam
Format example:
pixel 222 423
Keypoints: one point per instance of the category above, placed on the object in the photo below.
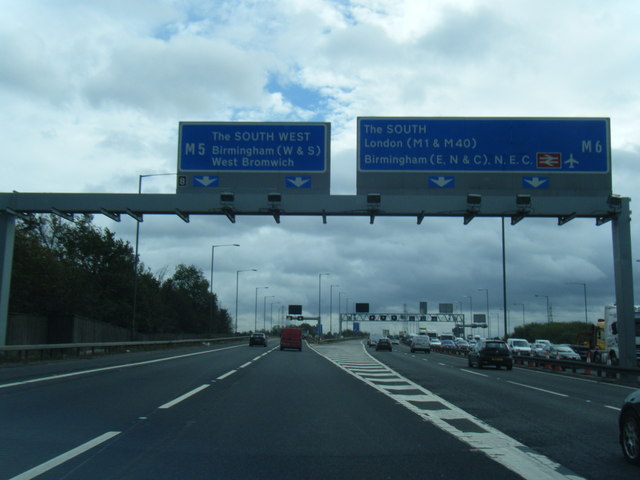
pixel 232 205
pixel 278 205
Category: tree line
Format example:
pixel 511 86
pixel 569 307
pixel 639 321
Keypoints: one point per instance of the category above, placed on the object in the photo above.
pixel 62 267
pixel 572 333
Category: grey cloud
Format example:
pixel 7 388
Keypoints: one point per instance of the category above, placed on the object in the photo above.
pixel 468 36
pixel 196 75
pixel 26 65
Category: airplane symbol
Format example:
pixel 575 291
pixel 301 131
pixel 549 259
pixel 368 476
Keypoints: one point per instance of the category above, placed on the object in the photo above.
pixel 572 161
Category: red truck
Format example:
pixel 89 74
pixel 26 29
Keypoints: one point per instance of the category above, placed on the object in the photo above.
pixel 291 338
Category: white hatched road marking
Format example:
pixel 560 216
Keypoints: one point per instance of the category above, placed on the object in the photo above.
pixel 498 446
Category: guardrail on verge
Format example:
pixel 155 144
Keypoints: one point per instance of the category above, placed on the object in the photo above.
pixel 23 352
pixel 575 366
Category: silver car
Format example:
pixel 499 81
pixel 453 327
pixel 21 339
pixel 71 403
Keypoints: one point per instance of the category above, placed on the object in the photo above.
pixel 563 352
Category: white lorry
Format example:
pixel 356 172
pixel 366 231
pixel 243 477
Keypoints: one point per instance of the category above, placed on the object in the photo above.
pixel 611 333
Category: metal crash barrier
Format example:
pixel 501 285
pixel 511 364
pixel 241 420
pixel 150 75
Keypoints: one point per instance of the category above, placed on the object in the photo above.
pixel 26 353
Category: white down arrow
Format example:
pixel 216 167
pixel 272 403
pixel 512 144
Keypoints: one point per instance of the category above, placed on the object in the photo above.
pixel 536 182
pixel 442 181
pixel 206 180
pixel 299 181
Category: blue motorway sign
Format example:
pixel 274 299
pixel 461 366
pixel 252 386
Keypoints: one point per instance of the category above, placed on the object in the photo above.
pixel 253 147
pixel 490 145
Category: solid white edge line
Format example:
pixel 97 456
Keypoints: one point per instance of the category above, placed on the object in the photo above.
pixel 225 375
pixel 591 380
pixel 620 386
pixel 60 459
pixel 183 397
pixel 113 367
pixel 539 389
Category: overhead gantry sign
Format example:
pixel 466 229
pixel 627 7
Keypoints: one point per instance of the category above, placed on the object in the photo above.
pixel 409 167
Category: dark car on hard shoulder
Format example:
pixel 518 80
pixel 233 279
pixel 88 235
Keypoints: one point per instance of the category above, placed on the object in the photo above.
pixel 490 352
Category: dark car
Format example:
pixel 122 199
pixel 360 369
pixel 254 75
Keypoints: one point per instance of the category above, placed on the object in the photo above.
pixel 462 345
pixel 629 424
pixel 258 339
pixel 491 352
pixel 373 339
pixel 448 345
pixel 383 344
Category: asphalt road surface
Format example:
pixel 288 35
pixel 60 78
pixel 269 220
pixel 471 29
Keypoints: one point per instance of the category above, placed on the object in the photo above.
pixel 329 412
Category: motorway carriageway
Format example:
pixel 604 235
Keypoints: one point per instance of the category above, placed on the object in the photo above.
pixel 330 411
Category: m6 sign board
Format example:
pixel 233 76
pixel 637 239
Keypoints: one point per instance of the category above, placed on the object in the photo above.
pixel 253 157
pixel 545 156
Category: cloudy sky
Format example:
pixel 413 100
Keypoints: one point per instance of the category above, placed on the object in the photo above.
pixel 92 93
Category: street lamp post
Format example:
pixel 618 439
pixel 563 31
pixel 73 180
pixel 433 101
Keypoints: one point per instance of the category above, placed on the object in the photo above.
pixel 264 308
pixel 340 311
pixel 278 316
pixel 213 247
pixel 346 312
pixel 135 260
pixel 320 298
pixel 584 286
pixel 547 297
pixel 255 318
pixel 486 290
pixel 470 307
pixel 270 316
pixel 331 307
pixel 470 310
pixel 237 282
